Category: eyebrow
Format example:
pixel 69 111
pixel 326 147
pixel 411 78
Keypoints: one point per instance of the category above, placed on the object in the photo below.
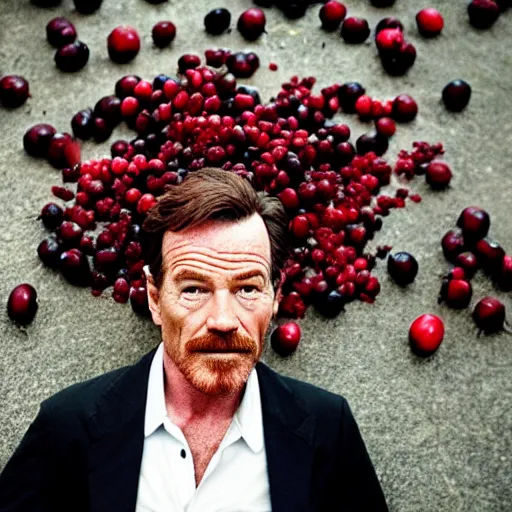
pixel 194 275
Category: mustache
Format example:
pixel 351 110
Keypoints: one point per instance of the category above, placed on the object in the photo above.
pixel 233 342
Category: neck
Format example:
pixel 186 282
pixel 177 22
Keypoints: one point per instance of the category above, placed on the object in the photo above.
pixel 187 404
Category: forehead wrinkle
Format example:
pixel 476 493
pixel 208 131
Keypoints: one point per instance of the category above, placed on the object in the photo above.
pixel 231 269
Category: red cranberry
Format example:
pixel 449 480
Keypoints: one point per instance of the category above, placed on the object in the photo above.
pixel 456 293
pixel 72 57
pixel 123 44
pixel 139 300
pixel 22 304
pixel 453 244
pixel 36 140
pixel 468 261
pixel 348 94
pixel 82 124
pixel 483 13
pixel 14 91
pixel 243 65
pixel 217 21
pixel 438 175
pixel 426 334
pixel 489 315
pixel 474 222
pixel 503 275
pixel 188 61
pixel 402 267
pixel 126 85
pixel 87 6
pixel 52 216
pixel 405 108
pixel 385 126
pixel 332 14
pixel 163 33
pixel 69 233
pixel 377 144
pixel 397 62
pixel 429 22
pixel 60 31
pixel 490 255
pixel 251 24
pixel 355 30
pixel 109 108
pixel 389 39
pixel 456 95
pixel 285 338
pixel 74 267
pixel 389 22
pixel 330 303
pixel 49 251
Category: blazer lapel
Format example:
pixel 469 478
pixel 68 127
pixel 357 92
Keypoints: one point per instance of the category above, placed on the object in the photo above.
pixel 288 433
pixel 117 428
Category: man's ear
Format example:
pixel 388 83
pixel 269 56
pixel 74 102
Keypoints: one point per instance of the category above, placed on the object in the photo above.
pixel 153 297
pixel 278 295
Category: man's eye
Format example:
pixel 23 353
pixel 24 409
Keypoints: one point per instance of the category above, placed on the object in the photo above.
pixel 193 290
pixel 249 290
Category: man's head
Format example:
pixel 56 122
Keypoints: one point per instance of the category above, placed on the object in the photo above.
pixel 216 250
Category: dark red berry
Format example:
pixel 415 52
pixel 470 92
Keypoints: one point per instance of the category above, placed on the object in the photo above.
pixel 426 334
pixel 69 233
pixel 405 108
pixel 123 44
pixel 330 304
pixel 469 262
pixel 483 13
pixel 490 255
pixel 139 300
pixel 36 140
pixel 251 23
pixel 389 22
pixel 348 94
pixel 14 91
pixel 489 315
pixel 385 126
pixel 456 95
pixel 456 293
pixel 332 14
pixel 82 124
pixel 397 62
pixel 438 175
pixel 285 338
pixel 376 143
pixel 87 6
pixel 243 65
pixel 402 267
pixel 217 21
pixel 60 31
pixel 109 108
pixel 163 33
pixel 63 151
pixel 355 30
pixel 389 39
pixel 52 216
pixel 188 61
pixel 430 22
pixel 22 304
pixel 503 275
pixel 126 85
pixel 72 57
pixel 453 244
pixel 474 222
pixel 75 268
pixel 49 251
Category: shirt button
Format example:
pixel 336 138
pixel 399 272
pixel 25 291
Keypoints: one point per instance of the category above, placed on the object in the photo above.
pixel 183 454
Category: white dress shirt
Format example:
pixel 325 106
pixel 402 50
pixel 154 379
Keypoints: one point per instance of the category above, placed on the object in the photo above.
pixel 236 478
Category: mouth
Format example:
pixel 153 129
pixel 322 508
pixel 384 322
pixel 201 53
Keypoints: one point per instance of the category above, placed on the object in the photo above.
pixel 223 351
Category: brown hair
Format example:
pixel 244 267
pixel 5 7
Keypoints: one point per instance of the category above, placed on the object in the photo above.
pixel 213 194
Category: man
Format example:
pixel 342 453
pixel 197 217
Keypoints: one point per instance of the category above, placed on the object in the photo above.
pixel 199 424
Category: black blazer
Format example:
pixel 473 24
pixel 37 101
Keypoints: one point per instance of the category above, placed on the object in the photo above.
pixel 83 451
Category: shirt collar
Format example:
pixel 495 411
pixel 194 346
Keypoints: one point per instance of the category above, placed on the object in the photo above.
pixel 248 417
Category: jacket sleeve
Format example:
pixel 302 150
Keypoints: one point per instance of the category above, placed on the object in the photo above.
pixel 361 487
pixel 26 481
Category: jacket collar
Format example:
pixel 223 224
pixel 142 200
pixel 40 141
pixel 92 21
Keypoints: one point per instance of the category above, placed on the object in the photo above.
pixel 117 430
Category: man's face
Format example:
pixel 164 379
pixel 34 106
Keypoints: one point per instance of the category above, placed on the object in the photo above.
pixel 216 301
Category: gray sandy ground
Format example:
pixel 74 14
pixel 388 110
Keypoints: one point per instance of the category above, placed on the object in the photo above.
pixel 439 430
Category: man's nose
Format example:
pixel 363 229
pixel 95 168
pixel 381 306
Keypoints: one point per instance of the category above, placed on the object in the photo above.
pixel 222 315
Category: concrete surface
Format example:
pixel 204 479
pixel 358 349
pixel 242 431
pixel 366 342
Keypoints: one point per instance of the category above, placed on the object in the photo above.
pixel 439 430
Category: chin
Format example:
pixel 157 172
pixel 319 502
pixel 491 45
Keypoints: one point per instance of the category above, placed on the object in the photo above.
pixel 219 375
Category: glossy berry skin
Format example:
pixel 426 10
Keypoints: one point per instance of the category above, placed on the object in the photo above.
pixel 52 216
pixel 438 175
pixel 332 14
pixel 490 255
pixel 217 21
pixel 163 33
pixel 251 23
pixel 389 39
pixel 72 57
pixel 139 300
pixel 453 244
pixel 285 338
pixel 123 44
pixel 483 13
pixel 469 262
pixel 49 251
pixel 456 293
pixel 397 62
pixel 14 91
pixel 355 30
pixel 385 126
pixel 36 140
pixel 389 22
pixel 503 275
pixel 430 22
pixel 87 6
pixel 456 95
pixel 405 108
pixel 474 222
pixel 348 94
pixel 403 268
pixel 22 304
pixel 489 315
pixel 426 334
pixel 75 268
pixel 330 304
pixel 60 31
